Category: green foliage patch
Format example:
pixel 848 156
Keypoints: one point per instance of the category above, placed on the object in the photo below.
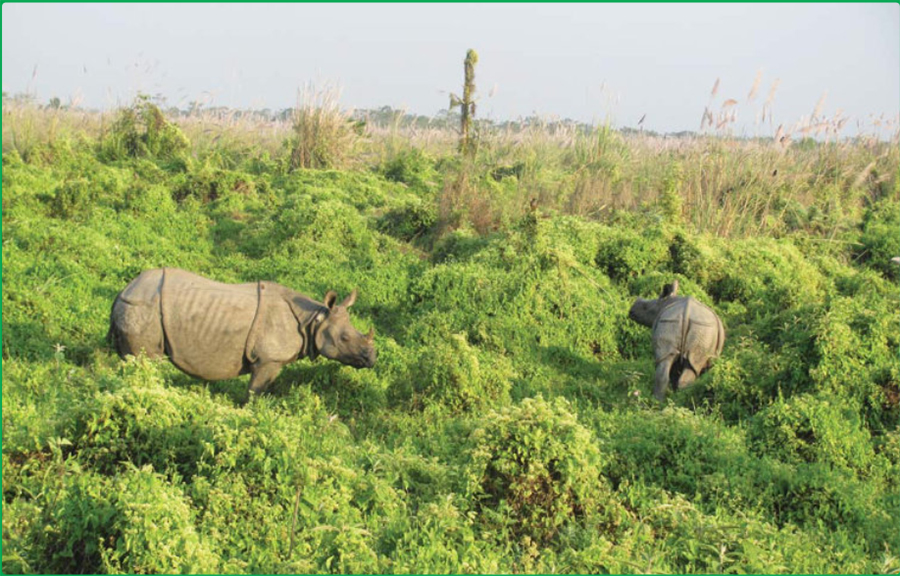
pixel 507 425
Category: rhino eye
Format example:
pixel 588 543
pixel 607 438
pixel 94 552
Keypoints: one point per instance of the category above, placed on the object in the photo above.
pixel 345 337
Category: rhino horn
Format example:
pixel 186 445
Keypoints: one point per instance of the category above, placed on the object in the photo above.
pixel 371 335
pixel 349 300
pixel 330 298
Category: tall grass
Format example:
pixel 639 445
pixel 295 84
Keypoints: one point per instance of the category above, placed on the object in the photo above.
pixel 713 182
pixel 725 186
pixel 27 125
pixel 239 135
pixel 325 135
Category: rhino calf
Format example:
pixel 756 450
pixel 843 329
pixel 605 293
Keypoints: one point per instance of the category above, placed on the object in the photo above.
pixel 216 331
pixel 686 336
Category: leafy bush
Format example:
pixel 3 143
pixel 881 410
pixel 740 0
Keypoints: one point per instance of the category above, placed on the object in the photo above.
pixel 534 469
pixel 879 240
pixel 443 539
pixel 680 452
pixel 453 373
pixel 506 426
pixel 624 253
pixel 749 377
pixel 855 344
pixel 135 522
pixel 413 168
pixel 812 429
pixel 142 423
pixel 408 222
pixel 142 131
pixel 154 529
pixel 765 275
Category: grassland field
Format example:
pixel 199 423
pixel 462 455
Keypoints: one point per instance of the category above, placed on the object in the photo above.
pixel 508 424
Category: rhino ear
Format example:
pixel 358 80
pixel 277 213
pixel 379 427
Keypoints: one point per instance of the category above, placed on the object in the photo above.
pixel 349 300
pixel 330 299
pixel 669 290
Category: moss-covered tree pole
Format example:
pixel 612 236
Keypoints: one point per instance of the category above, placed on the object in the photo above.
pixel 467 105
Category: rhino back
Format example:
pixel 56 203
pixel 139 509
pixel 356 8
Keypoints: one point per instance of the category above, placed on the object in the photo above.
pixel 687 328
pixel 207 323
pixel 705 337
pixel 143 290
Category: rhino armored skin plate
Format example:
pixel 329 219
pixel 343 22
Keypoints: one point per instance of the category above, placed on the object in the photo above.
pixel 687 335
pixel 215 331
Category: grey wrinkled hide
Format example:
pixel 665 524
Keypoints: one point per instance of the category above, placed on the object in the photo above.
pixel 216 331
pixel 686 336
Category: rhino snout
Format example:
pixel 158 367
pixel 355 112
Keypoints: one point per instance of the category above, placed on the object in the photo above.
pixel 365 359
pixel 369 357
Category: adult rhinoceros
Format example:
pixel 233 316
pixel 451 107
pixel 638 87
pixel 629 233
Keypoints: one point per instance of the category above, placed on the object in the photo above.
pixel 215 331
pixel 686 336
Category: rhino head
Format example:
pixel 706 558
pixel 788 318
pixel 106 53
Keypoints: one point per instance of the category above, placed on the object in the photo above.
pixel 335 338
pixel 644 312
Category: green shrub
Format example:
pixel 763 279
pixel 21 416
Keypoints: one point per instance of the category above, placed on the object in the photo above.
pixel 764 274
pixel 813 429
pixel 134 522
pixel 624 253
pixel 676 536
pixel 142 131
pixel 879 240
pixel 139 421
pixel 853 512
pixel 413 168
pixel 154 529
pixel 459 244
pixel 409 221
pixel 680 452
pixel 748 377
pixel 534 469
pixel 81 525
pixel 856 344
pixel 697 259
pixel 453 373
pixel 443 539
pixel 72 199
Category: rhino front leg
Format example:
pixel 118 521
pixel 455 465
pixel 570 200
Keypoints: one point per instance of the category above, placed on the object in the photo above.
pixel 261 375
pixel 663 367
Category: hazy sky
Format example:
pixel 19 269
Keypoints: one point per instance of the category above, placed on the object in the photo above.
pixel 590 62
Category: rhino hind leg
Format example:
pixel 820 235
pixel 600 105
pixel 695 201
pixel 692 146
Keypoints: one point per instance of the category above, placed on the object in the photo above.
pixel 686 378
pixel 682 373
pixel 137 328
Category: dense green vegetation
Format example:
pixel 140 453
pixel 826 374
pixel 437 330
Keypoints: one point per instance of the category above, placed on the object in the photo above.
pixel 507 426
